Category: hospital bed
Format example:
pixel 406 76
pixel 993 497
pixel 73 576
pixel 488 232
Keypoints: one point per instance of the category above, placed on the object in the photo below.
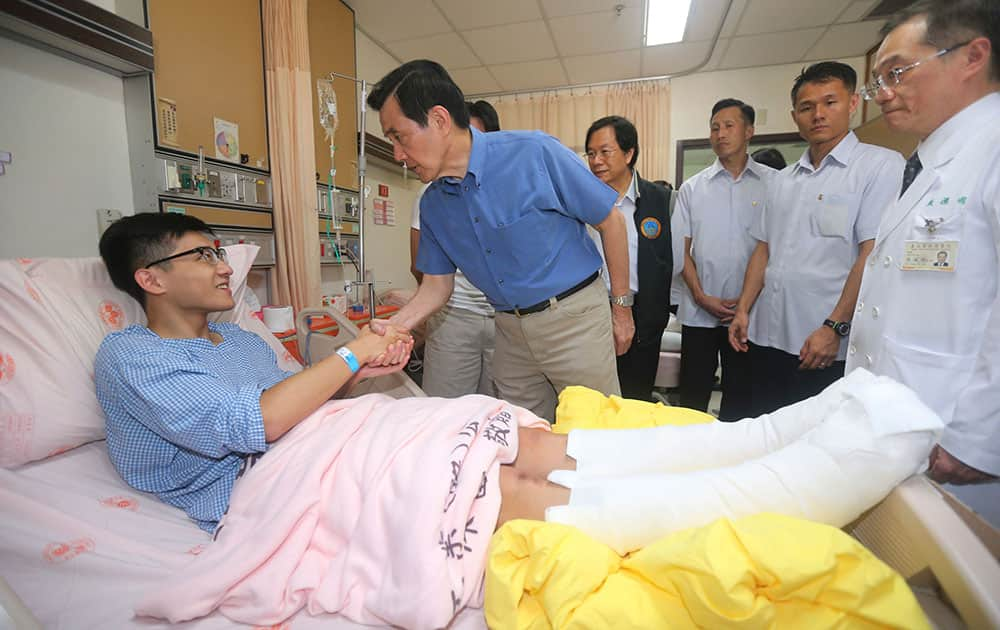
pixel 78 546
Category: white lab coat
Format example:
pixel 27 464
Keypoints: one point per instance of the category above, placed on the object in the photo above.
pixel 939 331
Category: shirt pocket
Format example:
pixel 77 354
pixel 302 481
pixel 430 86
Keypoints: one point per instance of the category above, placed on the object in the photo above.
pixel 832 216
pixel 934 376
pixel 526 239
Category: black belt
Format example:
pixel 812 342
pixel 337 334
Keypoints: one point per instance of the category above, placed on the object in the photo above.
pixel 544 304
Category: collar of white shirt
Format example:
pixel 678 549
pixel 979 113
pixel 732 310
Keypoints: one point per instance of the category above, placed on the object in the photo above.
pixel 947 140
pixel 632 193
pixel 752 167
pixel 841 153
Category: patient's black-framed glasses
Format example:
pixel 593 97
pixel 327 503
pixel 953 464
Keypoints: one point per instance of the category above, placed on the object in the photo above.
pixel 206 254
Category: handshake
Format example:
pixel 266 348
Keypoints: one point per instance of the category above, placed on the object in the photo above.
pixel 382 348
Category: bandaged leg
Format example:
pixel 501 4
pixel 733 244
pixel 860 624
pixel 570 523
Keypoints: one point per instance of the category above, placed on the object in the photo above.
pixel 608 453
pixel 878 434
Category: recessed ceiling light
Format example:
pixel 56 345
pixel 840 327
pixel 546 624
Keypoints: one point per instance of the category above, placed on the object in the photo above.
pixel 666 21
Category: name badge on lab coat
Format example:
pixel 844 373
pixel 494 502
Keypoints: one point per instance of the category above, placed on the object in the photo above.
pixel 930 256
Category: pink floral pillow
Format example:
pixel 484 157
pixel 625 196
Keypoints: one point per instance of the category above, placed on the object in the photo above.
pixel 54 313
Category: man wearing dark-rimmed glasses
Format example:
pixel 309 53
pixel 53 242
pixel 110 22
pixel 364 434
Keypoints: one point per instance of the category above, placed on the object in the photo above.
pixel 206 254
pixel 936 327
pixel 187 401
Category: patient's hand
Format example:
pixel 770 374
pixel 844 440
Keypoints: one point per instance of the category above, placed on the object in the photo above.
pixel 946 468
pixel 372 347
pixel 395 354
pixel 371 371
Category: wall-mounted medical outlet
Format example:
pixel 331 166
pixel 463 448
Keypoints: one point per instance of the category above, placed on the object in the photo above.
pixel 105 217
pixel 227 185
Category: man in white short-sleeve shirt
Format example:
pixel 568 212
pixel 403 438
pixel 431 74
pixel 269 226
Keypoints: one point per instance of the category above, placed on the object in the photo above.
pixel 814 235
pixel 458 353
pixel 715 211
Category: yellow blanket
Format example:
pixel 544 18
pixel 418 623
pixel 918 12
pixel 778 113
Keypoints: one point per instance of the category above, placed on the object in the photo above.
pixel 582 408
pixel 763 571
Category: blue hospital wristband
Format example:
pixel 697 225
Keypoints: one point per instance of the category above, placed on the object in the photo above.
pixel 352 361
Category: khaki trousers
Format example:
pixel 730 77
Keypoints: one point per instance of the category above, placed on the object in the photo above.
pixel 458 355
pixel 569 343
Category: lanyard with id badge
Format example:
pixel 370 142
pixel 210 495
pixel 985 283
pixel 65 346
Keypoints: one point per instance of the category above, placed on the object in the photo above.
pixel 933 253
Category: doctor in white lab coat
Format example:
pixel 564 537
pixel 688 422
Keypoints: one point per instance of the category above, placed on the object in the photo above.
pixel 934 327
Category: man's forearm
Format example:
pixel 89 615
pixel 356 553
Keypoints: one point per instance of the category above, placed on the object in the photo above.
pixel 432 294
pixel 614 241
pixel 753 279
pixel 844 310
pixel 690 273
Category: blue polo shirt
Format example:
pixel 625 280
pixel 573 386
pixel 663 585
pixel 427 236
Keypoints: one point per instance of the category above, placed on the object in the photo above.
pixel 516 223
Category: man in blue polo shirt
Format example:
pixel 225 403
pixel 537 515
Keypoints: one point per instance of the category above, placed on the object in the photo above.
pixel 510 208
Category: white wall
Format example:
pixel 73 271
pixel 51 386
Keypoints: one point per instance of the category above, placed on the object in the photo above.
pixel 64 123
pixel 373 64
pixel 766 88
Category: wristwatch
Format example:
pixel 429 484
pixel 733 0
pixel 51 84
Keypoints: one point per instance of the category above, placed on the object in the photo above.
pixel 623 300
pixel 841 328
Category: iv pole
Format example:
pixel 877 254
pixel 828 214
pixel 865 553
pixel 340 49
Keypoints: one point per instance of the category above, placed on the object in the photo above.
pixel 362 193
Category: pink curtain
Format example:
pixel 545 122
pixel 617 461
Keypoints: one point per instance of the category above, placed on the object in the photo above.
pixel 293 161
pixel 566 114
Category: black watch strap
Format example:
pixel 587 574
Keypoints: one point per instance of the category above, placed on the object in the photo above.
pixel 841 328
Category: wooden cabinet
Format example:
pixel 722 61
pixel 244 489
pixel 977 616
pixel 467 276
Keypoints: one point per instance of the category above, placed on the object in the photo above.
pixel 209 64
pixel 877 132
pixel 332 49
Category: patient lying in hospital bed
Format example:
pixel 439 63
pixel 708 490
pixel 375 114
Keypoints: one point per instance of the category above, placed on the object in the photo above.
pixel 382 510
pixel 401 496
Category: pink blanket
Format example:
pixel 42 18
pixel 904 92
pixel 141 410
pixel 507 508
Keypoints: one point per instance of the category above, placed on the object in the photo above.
pixel 375 508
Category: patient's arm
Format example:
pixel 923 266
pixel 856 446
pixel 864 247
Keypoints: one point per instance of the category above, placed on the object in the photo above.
pixel 292 400
pixel 370 371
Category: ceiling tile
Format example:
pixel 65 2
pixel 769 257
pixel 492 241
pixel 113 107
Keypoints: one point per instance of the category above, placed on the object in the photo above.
pixel 507 45
pixel 447 49
pixel 770 48
pixel 604 67
pixel 704 20
pixel 857 10
pixel 558 8
pixel 673 58
pixel 466 14
pixel 597 32
pixel 511 43
pixel 769 16
pixel 717 54
pixel 475 80
pixel 733 18
pixel 846 40
pixel 388 20
pixel 530 75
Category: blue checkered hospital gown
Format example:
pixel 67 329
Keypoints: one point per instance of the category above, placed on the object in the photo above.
pixel 183 414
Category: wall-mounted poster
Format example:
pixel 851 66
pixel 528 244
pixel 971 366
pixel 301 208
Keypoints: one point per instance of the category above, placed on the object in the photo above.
pixel 227 140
